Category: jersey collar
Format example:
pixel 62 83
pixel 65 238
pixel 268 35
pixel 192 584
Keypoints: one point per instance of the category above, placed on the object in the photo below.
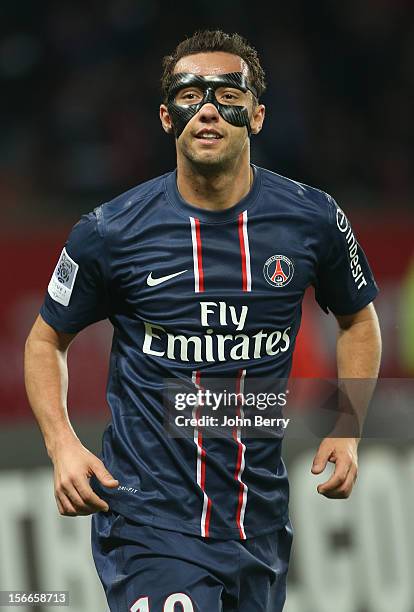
pixel 211 216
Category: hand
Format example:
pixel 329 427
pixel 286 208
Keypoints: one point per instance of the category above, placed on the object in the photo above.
pixel 342 452
pixel 74 465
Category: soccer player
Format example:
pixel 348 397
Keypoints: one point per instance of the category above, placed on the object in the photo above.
pixel 201 272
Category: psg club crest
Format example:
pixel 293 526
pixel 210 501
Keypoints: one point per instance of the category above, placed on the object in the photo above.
pixel 278 270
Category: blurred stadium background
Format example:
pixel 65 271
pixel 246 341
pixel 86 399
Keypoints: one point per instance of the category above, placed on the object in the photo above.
pixel 79 124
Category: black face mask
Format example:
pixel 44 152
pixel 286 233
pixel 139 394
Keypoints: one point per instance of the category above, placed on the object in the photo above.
pixel 181 114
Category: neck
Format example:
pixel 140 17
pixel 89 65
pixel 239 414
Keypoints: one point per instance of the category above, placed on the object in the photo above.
pixel 214 190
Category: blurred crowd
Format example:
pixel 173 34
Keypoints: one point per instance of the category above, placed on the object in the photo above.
pixel 80 96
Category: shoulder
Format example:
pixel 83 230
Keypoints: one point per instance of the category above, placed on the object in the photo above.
pixel 302 197
pixel 112 215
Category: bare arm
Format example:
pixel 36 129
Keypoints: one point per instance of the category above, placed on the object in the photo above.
pixel 358 356
pixel 46 378
pixel 359 344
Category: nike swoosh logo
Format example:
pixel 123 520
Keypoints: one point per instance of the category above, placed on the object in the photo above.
pixel 153 282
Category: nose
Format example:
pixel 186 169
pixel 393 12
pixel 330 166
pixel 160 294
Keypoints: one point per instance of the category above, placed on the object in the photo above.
pixel 208 113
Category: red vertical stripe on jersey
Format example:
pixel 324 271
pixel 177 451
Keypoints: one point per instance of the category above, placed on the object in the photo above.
pixel 206 509
pixel 242 496
pixel 241 487
pixel 199 256
pixel 243 253
pixel 201 467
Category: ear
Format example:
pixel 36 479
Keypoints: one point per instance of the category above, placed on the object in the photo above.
pixel 257 119
pixel 166 119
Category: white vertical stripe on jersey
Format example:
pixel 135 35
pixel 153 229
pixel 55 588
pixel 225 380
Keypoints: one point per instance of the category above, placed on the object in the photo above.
pixel 195 379
pixel 195 255
pixel 242 464
pixel 247 251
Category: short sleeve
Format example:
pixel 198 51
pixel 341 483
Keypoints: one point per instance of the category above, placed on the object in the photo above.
pixel 344 282
pixel 77 294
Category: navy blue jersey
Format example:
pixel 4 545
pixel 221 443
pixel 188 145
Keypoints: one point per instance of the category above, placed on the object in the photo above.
pixel 193 293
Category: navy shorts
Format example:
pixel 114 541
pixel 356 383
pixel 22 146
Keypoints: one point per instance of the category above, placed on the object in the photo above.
pixel 148 569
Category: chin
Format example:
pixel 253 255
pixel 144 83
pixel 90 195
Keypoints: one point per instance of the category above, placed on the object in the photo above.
pixel 207 158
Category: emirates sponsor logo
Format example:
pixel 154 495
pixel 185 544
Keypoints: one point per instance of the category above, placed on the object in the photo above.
pixel 214 347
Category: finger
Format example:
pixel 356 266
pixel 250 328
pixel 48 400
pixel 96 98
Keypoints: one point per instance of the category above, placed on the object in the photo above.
pixel 59 505
pixel 89 497
pixel 72 494
pixel 344 490
pixel 342 468
pixel 67 506
pixel 321 458
pixel 103 475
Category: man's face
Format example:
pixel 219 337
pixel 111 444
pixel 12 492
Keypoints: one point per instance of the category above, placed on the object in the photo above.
pixel 208 140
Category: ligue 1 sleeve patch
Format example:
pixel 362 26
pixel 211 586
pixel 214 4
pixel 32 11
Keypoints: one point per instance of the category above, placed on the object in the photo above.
pixel 63 279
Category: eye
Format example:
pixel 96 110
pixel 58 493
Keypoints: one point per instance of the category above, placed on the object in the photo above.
pixel 188 96
pixel 229 95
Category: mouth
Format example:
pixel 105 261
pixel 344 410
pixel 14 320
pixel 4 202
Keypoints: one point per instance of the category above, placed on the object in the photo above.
pixel 208 135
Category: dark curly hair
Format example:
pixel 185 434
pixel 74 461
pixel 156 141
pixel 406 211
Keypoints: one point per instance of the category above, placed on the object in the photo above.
pixel 206 41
